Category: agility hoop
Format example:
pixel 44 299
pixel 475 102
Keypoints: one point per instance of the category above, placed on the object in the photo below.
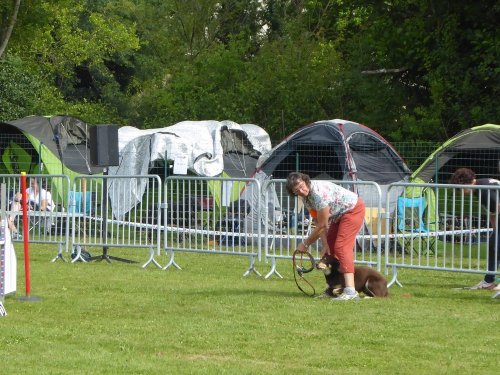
pixel 303 262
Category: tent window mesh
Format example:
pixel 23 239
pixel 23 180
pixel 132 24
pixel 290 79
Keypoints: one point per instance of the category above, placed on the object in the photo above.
pixel 484 162
pixel 317 160
pixel 17 154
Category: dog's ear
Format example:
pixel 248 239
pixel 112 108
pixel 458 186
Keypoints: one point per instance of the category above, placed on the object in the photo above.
pixel 328 259
pixel 331 260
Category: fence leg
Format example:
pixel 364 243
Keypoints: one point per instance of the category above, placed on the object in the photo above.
pixel 151 258
pixel 251 267
pixel 171 262
pixel 59 254
pixel 273 269
pixel 78 255
pixel 394 278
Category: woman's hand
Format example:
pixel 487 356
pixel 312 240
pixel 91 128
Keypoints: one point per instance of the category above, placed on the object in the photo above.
pixel 326 248
pixel 325 252
pixel 302 247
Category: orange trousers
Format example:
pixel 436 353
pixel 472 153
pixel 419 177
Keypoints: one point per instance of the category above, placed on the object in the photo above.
pixel 341 236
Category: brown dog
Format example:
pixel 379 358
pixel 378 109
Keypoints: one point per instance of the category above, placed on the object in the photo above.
pixel 367 280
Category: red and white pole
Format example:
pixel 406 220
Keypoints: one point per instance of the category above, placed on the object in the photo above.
pixel 25 234
pixel 24 204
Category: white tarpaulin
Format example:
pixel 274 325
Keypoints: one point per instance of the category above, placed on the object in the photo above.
pixel 198 145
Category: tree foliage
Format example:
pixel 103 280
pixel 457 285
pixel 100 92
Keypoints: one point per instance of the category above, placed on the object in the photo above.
pixel 411 69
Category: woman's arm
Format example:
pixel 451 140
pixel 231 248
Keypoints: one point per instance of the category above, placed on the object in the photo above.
pixel 319 231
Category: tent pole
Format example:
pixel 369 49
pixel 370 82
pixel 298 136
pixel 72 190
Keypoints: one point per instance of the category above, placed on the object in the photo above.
pixel 40 166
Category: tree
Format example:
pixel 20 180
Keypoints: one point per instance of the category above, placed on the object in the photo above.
pixel 446 61
pixel 4 40
pixel 411 69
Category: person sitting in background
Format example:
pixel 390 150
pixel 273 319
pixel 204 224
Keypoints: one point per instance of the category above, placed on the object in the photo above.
pixel 487 198
pixel 15 208
pixel 37 200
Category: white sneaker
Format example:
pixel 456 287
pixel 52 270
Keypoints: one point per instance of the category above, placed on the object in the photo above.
pixel 497 288
pixel 347 297
pixel 483 285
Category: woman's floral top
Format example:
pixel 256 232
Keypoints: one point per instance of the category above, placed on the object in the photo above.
pixel 324 193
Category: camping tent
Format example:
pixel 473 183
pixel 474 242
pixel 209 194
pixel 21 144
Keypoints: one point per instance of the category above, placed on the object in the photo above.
pixel 477 148
pixel 54 145
pixel 57 145
pixel 203 148
pixel 331 150
pixel 337 150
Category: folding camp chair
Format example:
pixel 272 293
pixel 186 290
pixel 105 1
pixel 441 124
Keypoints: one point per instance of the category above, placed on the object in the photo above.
pixel 412 227
pixel 77 202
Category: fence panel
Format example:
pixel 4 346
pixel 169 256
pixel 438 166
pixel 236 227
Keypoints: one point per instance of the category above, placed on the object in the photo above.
pixel 44 224
pixel 448 230
pixel 212 215
pixel 116 211
pixel 422 226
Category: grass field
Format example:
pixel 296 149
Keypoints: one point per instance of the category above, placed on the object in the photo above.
pixel 118 318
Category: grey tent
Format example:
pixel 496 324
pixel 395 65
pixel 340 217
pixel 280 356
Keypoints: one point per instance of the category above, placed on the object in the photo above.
pixel 338 150
pixel 209 148
pixel 477 148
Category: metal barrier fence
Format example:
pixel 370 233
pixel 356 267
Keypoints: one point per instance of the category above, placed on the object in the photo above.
pixel 442 227
pixel 44 225
pixel 212 215
pixel 421 226
pixel 116 211
pixel 289 223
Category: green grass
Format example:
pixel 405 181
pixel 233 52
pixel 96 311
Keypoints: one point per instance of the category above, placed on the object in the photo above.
pixel 118 318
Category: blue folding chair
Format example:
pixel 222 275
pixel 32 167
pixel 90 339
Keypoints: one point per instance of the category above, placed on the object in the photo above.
pixel 76 202
pixel 412 226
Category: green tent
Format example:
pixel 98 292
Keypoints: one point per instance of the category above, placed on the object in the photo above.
pixel 477 148
pixel 15 159
pixel 57 145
